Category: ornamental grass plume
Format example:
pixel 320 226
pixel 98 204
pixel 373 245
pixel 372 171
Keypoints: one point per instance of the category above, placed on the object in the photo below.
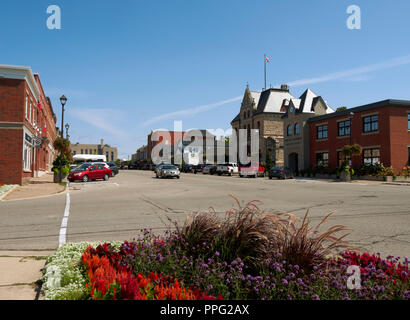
pixel 254 235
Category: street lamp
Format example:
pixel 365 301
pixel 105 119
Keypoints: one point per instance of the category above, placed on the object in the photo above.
pixel 67 126
pixel 63 101
pixel 351 127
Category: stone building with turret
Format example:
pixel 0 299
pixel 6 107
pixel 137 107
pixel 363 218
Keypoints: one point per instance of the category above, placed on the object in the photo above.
pixel 264 111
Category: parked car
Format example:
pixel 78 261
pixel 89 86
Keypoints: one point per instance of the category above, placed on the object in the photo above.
pixel 158 167
pixel 209 169
pixel 114 168
pixel 252 170
pixel 227 168
pixel 132 166
pixel 168 171
pixel 198 168
pixel 87 172
pixel 186 168
pixel 280 173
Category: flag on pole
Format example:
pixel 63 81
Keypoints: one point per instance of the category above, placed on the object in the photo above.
pixel 267 59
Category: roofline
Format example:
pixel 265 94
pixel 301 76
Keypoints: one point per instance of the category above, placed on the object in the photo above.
pixel 29 77
pixel 379 104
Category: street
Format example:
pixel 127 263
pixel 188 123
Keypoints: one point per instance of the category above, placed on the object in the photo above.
pixel 119 208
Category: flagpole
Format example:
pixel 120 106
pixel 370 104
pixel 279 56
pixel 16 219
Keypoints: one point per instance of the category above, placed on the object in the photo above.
pixel 264 60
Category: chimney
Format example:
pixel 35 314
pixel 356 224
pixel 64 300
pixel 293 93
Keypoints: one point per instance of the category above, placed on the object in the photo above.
pixel 284 87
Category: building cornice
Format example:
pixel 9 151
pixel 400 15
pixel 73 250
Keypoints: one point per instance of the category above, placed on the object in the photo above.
pixel 20 73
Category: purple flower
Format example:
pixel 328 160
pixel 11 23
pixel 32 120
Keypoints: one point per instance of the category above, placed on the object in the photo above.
pixel 315 297
pixel 285 282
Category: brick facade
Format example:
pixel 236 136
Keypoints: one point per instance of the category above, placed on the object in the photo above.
pixel 391 139
pixel 27 126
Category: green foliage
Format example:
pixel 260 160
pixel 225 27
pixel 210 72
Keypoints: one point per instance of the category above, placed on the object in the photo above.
pixel 341 109
pixel 269 163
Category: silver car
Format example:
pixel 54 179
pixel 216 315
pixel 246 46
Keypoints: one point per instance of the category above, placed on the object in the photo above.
pixel 168 171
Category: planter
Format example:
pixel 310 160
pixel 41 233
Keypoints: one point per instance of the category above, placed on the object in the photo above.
pixel 345 176
pixel 60 177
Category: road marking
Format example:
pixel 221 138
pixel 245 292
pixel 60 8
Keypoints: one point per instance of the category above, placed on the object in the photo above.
pixel 64 223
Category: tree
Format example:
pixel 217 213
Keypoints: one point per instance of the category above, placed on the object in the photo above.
pixel 61 165
pixel 269 162
pixel 341 109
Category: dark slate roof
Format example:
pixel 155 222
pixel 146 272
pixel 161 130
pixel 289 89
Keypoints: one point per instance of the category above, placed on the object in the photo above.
pixel 384 103
pixel 237 118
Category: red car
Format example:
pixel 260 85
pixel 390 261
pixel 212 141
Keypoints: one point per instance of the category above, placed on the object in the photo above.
pixel 87 172
pixel 252 170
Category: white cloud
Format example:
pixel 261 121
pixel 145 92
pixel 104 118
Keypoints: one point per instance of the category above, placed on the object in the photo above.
pixel 353 73
pixel 190 112
pixel 100 118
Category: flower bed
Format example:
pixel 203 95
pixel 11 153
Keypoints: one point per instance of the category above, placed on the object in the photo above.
pixel 5 188
pixel 249 255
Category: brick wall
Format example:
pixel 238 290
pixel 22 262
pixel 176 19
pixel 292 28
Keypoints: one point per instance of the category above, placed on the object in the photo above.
pixel 392 137
pixel 11 156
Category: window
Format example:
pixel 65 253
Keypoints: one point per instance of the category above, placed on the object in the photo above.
pixel 408 121
pixel 408 163
pixel 344 128
pixel 290 132
pixel 297 129
pixel 371 156
pixel 322 159
pixel 322 132
pixel 27 153
pixel 86 151
pixel 371 124
pixel 29 115
pixel 26 106
pixel 106 155
pixel 82 151
pixel 112 156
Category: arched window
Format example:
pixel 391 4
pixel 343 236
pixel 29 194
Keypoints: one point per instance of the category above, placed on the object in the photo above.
pixel 290 130
pixel 297 129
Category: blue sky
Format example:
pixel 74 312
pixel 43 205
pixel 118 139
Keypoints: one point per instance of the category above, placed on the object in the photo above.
pixel 125 64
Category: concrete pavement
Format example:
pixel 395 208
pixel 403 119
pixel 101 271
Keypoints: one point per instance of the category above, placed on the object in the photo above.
pixel 37 187
pixel 118 209
pixel 19 273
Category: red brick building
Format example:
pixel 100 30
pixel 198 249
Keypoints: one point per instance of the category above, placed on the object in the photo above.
pixel 382 129
pixel 27 126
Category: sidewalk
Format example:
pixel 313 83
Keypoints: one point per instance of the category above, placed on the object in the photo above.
pixel 19 272
pixel 37 187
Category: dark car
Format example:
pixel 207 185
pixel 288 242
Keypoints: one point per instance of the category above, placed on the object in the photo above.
pixel 114 168
pixel 133 166
pixel 198 168
pixel 209 169
pixel 186 168
pixel 280 173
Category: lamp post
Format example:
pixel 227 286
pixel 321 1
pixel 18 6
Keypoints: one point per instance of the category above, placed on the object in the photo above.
pixel 67 126
pixel 63 101
pixel 351 127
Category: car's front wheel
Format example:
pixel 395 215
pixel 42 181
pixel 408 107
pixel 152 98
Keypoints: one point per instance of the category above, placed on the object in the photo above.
pixel 106 177
pixel 85 178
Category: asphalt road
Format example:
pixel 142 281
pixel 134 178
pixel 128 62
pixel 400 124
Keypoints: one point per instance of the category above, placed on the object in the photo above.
pixel 118 209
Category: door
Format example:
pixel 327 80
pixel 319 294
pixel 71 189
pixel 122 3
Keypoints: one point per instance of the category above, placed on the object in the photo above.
pixel 100 172
pixel 93 173
pixel 294 163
